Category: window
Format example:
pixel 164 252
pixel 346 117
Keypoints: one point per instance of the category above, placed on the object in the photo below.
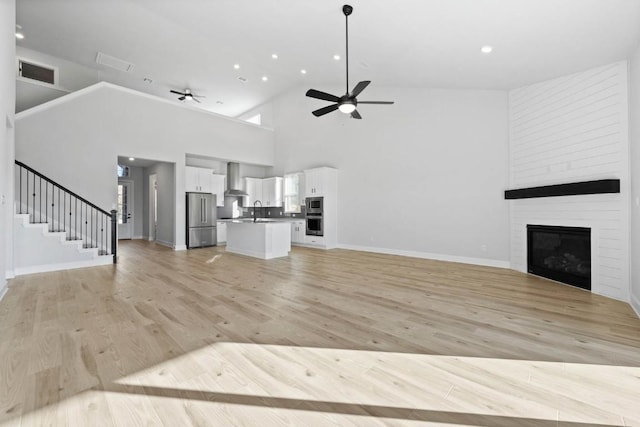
pixel 291 193
pixel 256 120
pixel 123 171
pixel 123 203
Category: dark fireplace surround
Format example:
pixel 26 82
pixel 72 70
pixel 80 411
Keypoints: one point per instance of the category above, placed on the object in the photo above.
pixel 560 253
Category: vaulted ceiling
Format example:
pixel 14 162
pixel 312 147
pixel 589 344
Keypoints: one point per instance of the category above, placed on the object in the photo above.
pixel 194 44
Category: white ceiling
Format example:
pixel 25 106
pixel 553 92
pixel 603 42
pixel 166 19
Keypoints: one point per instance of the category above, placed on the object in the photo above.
pixel 412 43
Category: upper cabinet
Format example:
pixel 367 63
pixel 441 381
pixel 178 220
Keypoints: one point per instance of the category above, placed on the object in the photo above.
pixel 194 178
pixel 319 181
pixel 272 192
pixel 267 190
pixel 203 180
pixel 217 188
pixel 253 187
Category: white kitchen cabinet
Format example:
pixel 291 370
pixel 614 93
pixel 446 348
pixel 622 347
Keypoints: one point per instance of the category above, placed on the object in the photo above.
pixel 221 231
pixel 253 187
pixel 315 241
pixel 323 182
pixel 217 188
pixel 297 231
pixel 198 179
pixel 320 181
pixel 272 192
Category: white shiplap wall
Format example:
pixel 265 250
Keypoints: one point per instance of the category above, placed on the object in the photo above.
pixel 571 129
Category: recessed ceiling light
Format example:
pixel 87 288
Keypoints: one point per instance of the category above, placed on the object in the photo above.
pixel 19 35
pixel 236 66
pixel 303 71
pixel 274 55
pixel 132 159
pixel 336 57
pixel 265 78
pixel 486 49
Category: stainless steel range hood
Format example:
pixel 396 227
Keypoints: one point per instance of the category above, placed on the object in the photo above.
pixel 234 182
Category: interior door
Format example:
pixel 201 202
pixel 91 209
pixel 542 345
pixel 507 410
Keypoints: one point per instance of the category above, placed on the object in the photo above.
pixel 125 210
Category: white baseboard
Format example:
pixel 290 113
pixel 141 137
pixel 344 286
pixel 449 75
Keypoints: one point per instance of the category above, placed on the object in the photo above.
pixel 180 247
pixel 10 274
pixel 426 255
pixel 3 289
pixel 163 243
pixel 102 260
pixel 635 304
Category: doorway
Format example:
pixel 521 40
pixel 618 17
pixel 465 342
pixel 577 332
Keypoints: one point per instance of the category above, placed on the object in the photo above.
pixel 153 206
pixel 125 209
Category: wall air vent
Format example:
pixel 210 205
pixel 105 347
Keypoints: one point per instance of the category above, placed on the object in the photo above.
pixel 113 62
pixel 42 73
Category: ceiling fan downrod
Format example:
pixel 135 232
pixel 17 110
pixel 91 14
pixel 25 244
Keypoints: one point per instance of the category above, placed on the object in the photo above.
pixel 347 10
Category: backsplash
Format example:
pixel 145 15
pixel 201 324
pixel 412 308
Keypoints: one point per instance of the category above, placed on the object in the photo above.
pixel 263 213
pixel 272 213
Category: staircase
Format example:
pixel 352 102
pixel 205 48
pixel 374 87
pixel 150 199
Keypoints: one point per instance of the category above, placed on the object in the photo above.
pixel 56 229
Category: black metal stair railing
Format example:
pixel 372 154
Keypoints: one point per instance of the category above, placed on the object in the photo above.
pixel 46 201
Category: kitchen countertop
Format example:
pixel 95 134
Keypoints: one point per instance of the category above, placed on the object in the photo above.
pixel 266 219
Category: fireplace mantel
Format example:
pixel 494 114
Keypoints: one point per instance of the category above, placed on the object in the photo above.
pixel 600 186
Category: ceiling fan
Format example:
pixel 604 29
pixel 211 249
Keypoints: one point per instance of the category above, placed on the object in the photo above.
pixel 346 103
pixel 187 95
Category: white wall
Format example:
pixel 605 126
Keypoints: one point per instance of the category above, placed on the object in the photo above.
pixel 7 110
pixel 634 122
pixel 571 129
pixel 423 177
pixel 165 174
pixel 86 131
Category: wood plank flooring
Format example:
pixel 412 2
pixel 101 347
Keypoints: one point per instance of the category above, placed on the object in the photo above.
pixel 321 338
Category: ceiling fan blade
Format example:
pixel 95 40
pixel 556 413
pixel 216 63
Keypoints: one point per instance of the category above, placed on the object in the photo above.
pixel 355 115
pixel 199 96
pixel 325 110
pixel 375 102
pixel 182 98
pixel 176 92
pixel 195 99
pixel 359 88
pixel 322 95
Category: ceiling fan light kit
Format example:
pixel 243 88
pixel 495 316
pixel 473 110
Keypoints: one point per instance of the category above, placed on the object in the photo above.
pixel 187 95
pixel 348 102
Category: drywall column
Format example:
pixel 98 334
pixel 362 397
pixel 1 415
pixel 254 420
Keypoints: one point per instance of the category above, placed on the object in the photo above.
pixel 7 135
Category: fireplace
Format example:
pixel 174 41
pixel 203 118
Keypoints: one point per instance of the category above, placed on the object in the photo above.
pixel 560 253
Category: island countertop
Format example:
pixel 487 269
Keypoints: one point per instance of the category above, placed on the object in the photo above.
pixel 261 239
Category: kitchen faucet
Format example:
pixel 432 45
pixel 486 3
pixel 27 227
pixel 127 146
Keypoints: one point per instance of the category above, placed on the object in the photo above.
pixel 255 210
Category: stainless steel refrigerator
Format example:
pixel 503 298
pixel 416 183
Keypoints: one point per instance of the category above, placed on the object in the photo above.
pixel 201 220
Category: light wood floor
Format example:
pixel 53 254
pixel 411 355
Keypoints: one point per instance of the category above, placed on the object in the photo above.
pixel 322 338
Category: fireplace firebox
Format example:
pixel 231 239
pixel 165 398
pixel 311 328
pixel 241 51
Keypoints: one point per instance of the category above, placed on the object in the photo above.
pixel 560 253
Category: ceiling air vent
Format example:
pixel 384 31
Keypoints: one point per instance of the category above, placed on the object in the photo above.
pixel 41 73
pixel 113 62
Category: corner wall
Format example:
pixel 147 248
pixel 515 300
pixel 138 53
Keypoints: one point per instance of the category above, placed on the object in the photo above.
pixel 7 132
pixel 634 133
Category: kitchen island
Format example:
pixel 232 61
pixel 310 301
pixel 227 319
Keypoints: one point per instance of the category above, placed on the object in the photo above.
pixel 261 239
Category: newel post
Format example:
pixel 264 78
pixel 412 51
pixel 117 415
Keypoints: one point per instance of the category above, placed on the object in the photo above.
pixel 114 235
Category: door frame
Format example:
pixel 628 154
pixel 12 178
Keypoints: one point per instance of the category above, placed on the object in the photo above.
pixel 153 206
pixel 130 205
